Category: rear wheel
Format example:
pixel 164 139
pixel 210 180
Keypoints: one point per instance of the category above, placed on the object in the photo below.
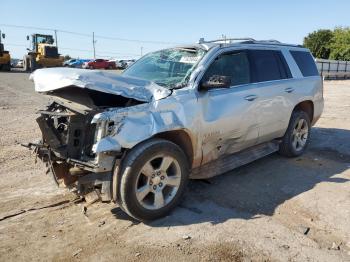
pixel 154 176
pixel 297 135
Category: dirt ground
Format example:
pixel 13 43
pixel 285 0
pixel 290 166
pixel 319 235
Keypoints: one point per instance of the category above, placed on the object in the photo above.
pixel 275 209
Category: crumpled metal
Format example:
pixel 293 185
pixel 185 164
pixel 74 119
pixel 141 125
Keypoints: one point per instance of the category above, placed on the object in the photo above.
pixel 50 79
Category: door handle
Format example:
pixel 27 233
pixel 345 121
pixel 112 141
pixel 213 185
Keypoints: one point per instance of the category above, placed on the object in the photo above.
pixel 289 89
pixel 251 97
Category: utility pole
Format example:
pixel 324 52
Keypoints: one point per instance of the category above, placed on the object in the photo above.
pixel 141 50
pixel 93 44
pixel 56 38
pixel 0 36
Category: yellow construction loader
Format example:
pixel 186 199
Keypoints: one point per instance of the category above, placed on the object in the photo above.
pixel 43 53
pixel 5 58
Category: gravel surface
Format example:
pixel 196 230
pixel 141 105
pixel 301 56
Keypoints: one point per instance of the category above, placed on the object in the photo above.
pixel 275 209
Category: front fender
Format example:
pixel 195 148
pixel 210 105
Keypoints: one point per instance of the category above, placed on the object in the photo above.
pixel 135 124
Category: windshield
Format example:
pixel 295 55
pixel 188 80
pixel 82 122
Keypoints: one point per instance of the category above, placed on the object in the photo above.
pixel 44 39
pixel 169 68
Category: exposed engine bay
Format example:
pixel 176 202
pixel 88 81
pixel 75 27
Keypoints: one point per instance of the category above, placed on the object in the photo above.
pixel 68 136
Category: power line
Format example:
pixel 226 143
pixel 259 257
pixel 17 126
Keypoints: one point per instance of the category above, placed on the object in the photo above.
pixel 96 36
pixel 83 50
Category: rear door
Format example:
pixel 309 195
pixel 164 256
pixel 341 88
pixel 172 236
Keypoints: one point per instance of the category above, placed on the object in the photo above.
pixel 271 75
pixel 229 115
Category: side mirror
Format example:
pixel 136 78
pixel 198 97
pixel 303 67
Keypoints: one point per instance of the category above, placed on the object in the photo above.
pixel 216 81
pixel 27 37
pixel 3 35
pixel 28 49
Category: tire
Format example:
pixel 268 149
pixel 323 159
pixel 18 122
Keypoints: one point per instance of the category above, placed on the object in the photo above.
pixel 297 136
pixel 26 63
pixel 91 67
pixel 33 64
pixel 6 67
pixel 155 186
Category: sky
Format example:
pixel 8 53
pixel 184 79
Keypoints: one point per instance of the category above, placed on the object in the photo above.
pixel 165 23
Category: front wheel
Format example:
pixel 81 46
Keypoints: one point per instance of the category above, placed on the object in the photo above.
pixel 297 135
pixel 154 176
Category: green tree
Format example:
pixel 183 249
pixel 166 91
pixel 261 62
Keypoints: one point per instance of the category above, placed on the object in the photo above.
pixel 319 43
pixel 340 46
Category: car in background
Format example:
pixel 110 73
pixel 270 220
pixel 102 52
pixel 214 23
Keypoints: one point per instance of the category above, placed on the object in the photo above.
pixel 79 63
pixel 19 63
pixel 99 64
pixel 16 63
pixel 69 61
pixel 125 63
pixel 75 63
pixel 118 65
pixel 130 62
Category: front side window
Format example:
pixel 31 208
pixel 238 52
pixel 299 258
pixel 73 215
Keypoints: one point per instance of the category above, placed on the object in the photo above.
pixel 170 68
pixel 234 65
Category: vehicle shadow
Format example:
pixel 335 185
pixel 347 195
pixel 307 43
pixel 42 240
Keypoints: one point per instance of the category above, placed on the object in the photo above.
pixel 260 187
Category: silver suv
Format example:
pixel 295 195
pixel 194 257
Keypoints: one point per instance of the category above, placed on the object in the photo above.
pixel 192 111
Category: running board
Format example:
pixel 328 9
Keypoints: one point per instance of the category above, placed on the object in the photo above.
pixel 229 162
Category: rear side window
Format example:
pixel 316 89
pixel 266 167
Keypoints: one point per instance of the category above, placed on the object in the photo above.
pixel 268 65
pixel 305 63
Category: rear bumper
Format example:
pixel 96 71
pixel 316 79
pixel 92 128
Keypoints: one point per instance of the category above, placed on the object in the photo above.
pixel 318 109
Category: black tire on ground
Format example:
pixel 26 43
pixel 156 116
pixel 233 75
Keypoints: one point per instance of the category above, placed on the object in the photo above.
pixel 130 176
pixel 33 64
pixel 5 67
pixel 295 142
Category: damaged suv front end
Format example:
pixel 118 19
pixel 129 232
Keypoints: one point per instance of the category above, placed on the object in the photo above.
pixel 95 116
pixel 78 126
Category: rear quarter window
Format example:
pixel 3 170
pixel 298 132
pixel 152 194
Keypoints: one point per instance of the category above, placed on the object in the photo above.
pixel 305 62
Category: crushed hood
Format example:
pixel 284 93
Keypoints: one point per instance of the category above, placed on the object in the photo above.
pixel 51 79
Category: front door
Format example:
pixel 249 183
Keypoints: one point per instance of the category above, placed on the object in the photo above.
pixel 229 115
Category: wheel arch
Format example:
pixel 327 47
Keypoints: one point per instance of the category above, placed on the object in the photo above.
pixel 307 106
pixel 182 139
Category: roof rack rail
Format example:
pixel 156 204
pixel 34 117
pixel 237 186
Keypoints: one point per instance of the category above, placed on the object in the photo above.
pixel 246 40
pixel 229 40
pixel 269 41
